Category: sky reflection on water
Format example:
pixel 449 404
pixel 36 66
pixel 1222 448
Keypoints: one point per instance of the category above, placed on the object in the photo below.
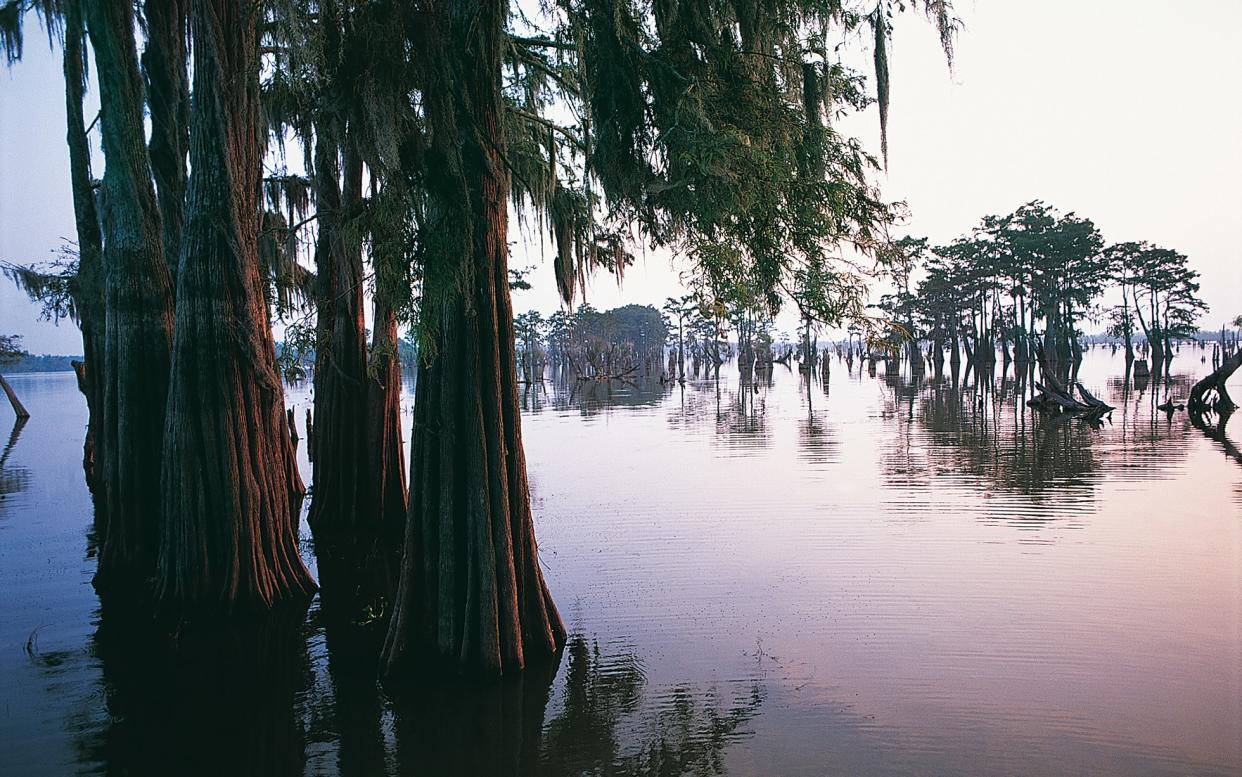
pixel 875 575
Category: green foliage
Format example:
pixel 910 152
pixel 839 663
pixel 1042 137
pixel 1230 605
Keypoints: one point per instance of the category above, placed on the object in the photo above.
pixel 517 279
pixel 1033 266
pixel 712 134
pixel 702 128
pixel 52 285
pixel 640 326
pixel 529 328
pixel 1158 288
pixel 11 349
pixel 12 13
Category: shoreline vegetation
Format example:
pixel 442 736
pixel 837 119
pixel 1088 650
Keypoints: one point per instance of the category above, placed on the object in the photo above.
pixel 46 362
pixel 52 362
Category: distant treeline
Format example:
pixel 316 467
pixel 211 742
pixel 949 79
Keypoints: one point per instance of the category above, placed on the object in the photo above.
pixel 292 356
pixel 42 363
pixel 1029 280
pixel 1202 336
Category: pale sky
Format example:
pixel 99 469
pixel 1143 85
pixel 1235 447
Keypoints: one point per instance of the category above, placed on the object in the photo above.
pixel 1128 112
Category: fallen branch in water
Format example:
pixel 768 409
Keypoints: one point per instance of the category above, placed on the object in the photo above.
pixel 1056 397
pixel 1210 393
pixel 625 375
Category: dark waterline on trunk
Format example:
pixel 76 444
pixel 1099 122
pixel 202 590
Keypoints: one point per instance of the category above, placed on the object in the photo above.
pixel 872 577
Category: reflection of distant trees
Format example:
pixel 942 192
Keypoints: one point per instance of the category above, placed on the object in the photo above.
pixel 593 397
pixel 599 724
pixel 604 728
pixel 741 413
pixel 816 442
pixel 1144 427
pixel 736 412
pixel 979 426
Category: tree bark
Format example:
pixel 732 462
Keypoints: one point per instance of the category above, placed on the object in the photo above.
pixel 137 309
pixel 471 594
pixel 88 284
pixel 231 494
pixel 338 502
pixel 385 448
pixel 164 65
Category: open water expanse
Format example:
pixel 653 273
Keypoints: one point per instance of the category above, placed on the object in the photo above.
pixel 871 575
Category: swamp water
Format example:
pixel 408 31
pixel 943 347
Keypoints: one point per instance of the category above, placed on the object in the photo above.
pixel 870 576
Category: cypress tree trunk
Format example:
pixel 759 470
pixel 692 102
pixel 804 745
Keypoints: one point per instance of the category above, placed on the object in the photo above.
pixel 164 64
pixel 386 451
pixel 88 285
pixel 137 305
pixel 230 491
pixel 471 594
pixel 339 445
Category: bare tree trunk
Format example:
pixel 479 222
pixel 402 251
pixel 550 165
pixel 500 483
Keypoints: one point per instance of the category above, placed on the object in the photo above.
pixel 138 309
pixel 231 494
pixel 386 467
pixel 88 285
pixel 472 594
pixel 338 502
pixel 164 64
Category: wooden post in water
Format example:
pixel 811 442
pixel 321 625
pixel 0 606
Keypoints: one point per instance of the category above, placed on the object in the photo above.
pixel 18 407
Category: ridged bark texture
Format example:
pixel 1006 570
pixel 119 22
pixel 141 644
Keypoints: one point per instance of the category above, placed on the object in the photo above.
pixel 385 447
pixel 229 493
pixel 88 285
pixel 137 305
pixel 471 593
pixel 164 65
pixel 339 455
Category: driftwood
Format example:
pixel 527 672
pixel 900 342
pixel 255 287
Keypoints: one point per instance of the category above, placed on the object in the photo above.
pixel 1056 397
pixel 625 375
pixel 1090 398
pixel 1210 393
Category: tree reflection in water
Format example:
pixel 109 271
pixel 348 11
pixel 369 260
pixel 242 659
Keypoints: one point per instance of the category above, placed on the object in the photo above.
pixel 979 427
pixel 599 723
pixel 213 697
pixel 243 699
pixel 13 480
pixel 592 397
pixel 291 695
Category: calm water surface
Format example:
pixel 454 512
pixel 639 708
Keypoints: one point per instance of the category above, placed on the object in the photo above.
pixel 870 576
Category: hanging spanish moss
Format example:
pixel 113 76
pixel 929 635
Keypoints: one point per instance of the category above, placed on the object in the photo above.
pixel 880 28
